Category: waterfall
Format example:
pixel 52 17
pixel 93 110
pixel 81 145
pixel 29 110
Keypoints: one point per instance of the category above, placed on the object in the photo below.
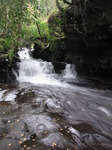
pixel 39 71
pixel 69 71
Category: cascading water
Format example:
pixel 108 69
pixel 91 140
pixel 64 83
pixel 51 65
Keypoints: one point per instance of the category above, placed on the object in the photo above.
pixel 69 71
pixel 39 71
pixel 62 116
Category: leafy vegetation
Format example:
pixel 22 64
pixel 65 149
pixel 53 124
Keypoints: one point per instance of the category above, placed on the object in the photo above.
pixel 25 21
pixel 20 23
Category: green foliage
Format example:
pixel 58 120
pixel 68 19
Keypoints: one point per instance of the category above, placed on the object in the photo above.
pixel 10 55
pixel 43 25
pixel 13 15
pixel 23 21
pixel 1 48
pixel 5 43
pixel 2 41
pixel 32 32
pixel 46 7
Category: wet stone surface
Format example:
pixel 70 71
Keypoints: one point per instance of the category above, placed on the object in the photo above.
pixel 49 111
pixel 47 117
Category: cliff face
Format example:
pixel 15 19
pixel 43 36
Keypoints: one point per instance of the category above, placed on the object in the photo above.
pixel 89 35
pixel 87 40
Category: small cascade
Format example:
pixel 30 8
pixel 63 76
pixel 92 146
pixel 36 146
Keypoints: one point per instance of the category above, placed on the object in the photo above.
pixel 35 71
pixel 69 71
pixel 24 53
pixel 39 71
pixel 33 67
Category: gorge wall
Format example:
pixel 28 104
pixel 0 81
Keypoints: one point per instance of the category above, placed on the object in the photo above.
pixel 87 38
pixel 92 48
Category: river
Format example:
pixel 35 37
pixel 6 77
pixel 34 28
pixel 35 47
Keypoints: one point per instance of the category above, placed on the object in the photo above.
pixel 44 110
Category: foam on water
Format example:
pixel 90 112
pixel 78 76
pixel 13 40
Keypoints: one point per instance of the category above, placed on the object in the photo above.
pixel 69 71
pixel 39 71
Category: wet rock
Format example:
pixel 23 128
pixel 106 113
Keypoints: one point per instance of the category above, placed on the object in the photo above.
pixel 56 140
pixel 26 128
pixel 96 139
pixel 9 144
pixel 41 50
pixel 25 95
pixel 59 66
pixel 33 136
pixel 6 73
pixel 101 139
pixel 41 130
pixel 4 121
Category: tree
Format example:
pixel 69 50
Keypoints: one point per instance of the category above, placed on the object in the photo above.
pixel 13 14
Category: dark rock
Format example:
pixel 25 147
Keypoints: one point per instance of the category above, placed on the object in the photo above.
pixel 4 121
pixel 33 136
pixel 59 66
pixel 26 128
pixel 87 37
pixel 6 69
pixel 41 52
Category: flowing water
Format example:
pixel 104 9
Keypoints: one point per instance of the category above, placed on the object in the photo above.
pixel 46 111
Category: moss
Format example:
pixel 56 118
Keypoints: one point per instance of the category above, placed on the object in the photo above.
pixel 57 46
pixel 56 23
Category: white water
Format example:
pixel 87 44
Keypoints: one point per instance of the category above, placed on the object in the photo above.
pixel 41 72
pixel 69 71
pixel 56 115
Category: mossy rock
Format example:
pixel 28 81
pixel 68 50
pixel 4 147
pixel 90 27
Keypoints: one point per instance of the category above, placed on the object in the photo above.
pixel 56 23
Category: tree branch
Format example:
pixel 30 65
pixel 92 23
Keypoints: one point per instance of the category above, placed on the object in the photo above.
pixel 59 6
pixel 65 1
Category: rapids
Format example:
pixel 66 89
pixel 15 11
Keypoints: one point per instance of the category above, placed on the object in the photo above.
pixel 49 111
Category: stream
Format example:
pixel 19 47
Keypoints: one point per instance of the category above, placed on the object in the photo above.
pixel 49 111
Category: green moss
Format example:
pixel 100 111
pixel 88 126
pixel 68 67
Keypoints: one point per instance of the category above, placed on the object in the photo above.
pixel 56 22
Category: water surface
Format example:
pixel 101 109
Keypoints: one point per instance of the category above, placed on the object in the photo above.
pixel 49 111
